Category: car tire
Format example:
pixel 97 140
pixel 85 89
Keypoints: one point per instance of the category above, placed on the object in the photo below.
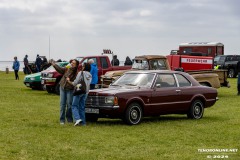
pixel 231 73
pixel 49 89
pixel 91 117
pixel 133 114
pixel 196 110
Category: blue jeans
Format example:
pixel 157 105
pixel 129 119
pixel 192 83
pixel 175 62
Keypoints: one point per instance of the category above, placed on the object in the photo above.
pixel 66 97
pixel 78 107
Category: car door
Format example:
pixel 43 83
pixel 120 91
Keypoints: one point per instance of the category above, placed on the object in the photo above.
pixel 185 92
pixel 165 96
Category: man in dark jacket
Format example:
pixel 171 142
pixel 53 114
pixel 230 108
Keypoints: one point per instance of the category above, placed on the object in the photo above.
pixel 238 82
pixel 128 61
pixel 38 63
pixel 26 67
pixel 115 61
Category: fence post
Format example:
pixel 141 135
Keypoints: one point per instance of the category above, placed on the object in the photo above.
pixel 7 70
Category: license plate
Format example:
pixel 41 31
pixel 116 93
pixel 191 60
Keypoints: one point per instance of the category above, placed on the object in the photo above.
pixel 42 81
pixel 27 84
pixel 92 110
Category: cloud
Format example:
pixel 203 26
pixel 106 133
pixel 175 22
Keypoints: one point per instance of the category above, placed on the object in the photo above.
pixel 128 27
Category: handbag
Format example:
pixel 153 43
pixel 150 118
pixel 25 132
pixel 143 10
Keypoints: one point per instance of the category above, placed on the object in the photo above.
pixel 80 88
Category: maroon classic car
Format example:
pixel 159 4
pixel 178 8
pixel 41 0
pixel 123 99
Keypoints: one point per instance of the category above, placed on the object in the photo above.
pixel 138 94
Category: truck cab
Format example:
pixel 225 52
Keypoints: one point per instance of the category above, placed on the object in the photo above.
pixel 228 62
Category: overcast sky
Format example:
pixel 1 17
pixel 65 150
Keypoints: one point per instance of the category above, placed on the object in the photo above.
pixel 127 27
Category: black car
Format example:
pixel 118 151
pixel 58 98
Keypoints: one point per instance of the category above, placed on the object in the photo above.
pixel 228 62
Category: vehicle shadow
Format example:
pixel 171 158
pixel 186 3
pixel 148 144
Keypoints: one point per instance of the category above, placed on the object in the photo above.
pixel 156 119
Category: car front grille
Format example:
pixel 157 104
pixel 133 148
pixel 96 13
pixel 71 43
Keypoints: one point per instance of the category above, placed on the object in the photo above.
pixel 96 101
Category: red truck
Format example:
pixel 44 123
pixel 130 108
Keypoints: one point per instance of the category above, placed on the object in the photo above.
pixel 211 49
pixel 51 78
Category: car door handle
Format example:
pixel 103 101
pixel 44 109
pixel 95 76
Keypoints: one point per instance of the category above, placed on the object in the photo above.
pixel 178 90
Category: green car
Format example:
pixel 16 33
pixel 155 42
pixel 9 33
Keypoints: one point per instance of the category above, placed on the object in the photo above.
pixel 34 80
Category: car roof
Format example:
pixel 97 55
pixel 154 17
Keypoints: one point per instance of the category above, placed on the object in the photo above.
pixel 154 71
pixel 150 57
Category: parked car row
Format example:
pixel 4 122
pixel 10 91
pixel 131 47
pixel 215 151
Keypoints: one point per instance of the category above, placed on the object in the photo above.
pixel 34 81
pixel 137 94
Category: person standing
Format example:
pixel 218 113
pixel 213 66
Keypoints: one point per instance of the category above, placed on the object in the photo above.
pixel 128 61
pixel 38 63
pixel 26 67
pixel 15 67
pixel 94 73
pixel 238 81
pixel 78 105
pixel 115 61
pixel 66 90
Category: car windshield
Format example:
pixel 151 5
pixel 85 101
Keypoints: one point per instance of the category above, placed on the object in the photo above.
pixel 135 79
pixel 140 64
pixel 79 59
pixel 216 58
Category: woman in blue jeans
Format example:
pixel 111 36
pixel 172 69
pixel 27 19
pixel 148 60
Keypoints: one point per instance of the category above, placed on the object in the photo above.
pixel 66 90
pixel 78 104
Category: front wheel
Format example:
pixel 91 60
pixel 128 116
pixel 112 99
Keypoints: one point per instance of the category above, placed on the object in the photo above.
pixel 231 73
pixel 133 114
pixel 49 89
pixel 196 110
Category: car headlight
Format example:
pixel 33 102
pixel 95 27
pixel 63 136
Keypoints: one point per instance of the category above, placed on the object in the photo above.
pixel 50 75
pixel 32 78
pixel 111 100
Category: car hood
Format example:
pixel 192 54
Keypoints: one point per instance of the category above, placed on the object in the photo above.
pixel 115 90
pixel 33 75
pixel 116 73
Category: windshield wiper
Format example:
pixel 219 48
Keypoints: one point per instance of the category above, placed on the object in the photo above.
pixel 130 84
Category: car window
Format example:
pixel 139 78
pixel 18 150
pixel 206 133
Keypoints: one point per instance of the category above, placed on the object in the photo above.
pixel 157 64
pixel 182 81
pixel 165 80
pixel 104 63
pixel 140 64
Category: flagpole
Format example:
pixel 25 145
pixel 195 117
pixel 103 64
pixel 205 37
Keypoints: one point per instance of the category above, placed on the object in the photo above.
pixel 49 48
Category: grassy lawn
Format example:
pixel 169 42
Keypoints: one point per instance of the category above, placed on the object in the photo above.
pixel 30 129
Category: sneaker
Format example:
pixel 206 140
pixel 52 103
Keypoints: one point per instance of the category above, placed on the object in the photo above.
pixel 61 123
pixel 77 122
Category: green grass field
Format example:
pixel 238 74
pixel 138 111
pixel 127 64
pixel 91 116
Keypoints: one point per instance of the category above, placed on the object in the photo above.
pixel 30 129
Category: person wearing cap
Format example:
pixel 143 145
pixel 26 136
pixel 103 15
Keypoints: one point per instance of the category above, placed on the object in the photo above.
pixel 15 67
pixel 38 63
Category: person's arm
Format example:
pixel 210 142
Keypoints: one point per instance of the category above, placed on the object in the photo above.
pixel 59 69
